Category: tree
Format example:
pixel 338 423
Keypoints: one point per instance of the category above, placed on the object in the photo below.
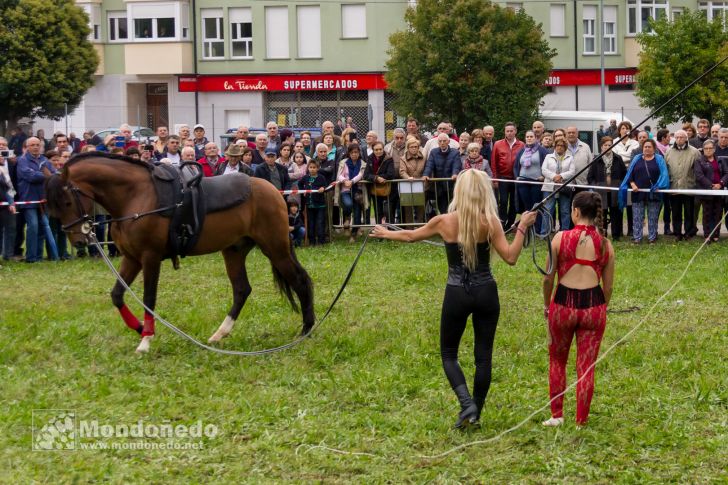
pixel 47 60
pixel 676 53
pixel 470 62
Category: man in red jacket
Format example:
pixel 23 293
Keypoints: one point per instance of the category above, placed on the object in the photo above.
pixel 502 160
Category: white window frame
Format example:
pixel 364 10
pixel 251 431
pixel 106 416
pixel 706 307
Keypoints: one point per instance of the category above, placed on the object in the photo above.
pixel 557 20
pixel 277 45
pixel 635 8
pixel 239 16
pixel 308 21
pixel 113 17
pixel 515 6
pixel 208 43
pixel 710 8
pixel 589 22
pixel 94 20
pixel 350 30
pixel 177 11
pixel 609 41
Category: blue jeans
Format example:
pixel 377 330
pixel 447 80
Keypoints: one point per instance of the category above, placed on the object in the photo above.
pixel 530 195
pixel 638 215
pixel 564 200
pixel 349 206
pixel 37 228
pixel 297 236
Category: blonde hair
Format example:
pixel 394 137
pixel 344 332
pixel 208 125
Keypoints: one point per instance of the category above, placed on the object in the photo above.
pixel 411 140
pixel 474 202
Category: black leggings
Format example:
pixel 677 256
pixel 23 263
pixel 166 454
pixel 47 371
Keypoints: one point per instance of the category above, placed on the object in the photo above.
pixel 482 302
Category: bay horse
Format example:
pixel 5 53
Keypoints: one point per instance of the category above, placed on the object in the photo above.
pixel 124 187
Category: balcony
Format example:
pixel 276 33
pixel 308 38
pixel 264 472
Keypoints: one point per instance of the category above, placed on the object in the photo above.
pixel 158 58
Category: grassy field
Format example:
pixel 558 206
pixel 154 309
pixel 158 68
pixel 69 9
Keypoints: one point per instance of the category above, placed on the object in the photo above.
pixel 370 379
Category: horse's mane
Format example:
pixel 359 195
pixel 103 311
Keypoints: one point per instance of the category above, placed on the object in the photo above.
pixel 108 156
pixel 54 189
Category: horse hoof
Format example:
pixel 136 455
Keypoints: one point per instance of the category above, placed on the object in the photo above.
pixel 225 328
pixel 143 347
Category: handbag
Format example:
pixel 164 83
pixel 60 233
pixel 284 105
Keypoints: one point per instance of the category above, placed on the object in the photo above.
pixel 381 190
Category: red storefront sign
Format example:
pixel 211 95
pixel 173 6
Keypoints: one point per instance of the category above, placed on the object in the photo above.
pixel 591 77
pixel 283 82
pixel 365 82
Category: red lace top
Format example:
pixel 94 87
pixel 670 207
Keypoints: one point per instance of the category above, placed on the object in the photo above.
pixel 567 250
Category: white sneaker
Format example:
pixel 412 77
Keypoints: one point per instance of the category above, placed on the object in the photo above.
pixel 553 422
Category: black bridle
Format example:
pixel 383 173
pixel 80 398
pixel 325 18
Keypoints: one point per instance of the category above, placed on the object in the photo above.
pixel 87 222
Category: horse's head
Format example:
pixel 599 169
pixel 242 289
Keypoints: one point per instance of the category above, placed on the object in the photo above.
pixel 71 207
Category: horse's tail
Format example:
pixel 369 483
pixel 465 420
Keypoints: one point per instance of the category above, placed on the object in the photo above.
pixel 285 287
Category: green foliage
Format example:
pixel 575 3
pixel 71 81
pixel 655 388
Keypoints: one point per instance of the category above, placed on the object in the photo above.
pixel 46 57
pixel 369 380
pixel 673 56
pixel 469 61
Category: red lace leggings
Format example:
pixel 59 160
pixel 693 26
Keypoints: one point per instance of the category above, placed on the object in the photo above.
pixel 588 325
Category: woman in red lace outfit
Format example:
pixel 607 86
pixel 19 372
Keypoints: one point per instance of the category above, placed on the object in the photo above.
pixel 583 258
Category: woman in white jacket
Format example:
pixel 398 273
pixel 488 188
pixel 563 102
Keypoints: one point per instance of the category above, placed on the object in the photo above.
pixel 558 167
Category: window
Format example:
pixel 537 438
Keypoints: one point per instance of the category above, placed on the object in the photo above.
pixel 276 32
pixel 639 13
pixel 558 20
pixel 516 7
pixel 716 10
pixel 241 33
pixel 160 21
pixel 213 38
pixel 590 16
pixel 676 12
pixel 94 21
pixel 309 31
pixel 118 29
pixel 609 24
pixel 354 21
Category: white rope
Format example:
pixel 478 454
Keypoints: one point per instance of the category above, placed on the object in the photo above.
pixel 570 387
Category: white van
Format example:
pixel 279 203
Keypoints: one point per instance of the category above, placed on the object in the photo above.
pixel 587 122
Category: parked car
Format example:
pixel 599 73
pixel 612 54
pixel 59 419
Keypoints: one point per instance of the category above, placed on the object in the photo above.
pixel 138 133
pixel 587 122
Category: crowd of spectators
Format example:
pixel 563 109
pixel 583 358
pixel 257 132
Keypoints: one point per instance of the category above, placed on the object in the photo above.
pixel 349 177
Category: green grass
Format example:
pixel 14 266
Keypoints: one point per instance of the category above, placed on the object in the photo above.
pixel 370 379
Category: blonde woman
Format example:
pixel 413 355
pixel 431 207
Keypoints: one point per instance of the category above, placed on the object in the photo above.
pixel 470 229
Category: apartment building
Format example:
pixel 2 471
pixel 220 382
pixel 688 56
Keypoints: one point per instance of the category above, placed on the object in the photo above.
pixel 223 63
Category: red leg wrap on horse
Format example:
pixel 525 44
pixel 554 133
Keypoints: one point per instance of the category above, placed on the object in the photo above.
pixel 148 325
pixel 131 321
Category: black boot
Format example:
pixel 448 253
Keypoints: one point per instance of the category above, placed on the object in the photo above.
pixel 479 402
pixel 468 410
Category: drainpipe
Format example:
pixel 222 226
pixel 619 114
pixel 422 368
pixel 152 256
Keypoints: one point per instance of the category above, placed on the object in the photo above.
pixel 193 34
pixel 576 57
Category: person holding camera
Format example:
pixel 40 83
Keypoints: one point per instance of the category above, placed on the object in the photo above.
pixel 7 212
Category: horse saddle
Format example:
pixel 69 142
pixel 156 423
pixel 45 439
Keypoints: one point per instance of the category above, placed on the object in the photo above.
pixel 188 198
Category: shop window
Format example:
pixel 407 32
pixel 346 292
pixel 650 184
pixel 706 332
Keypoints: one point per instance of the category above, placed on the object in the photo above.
pixel 590 16
pixel 354 21
pixel 118 27
pixel 640 12
pixel 213 38
pixel 241 33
